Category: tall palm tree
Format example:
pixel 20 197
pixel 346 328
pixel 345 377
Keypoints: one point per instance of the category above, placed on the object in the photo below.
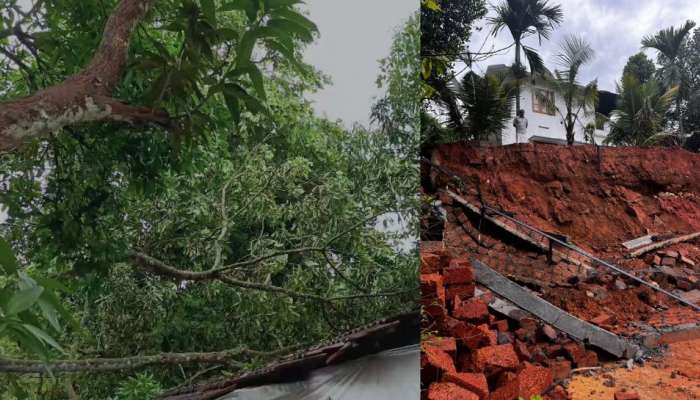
pixel 578 100
pixel 525 18
pixel 478 107
pixel 669 43
pixel 638 117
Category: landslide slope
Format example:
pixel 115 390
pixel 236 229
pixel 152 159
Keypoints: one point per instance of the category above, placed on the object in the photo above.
pixel 599 197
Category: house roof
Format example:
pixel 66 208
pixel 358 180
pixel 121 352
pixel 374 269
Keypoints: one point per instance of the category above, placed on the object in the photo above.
pixel 385 334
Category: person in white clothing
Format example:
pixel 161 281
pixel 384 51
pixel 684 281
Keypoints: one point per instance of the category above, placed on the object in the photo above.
pixel 520 124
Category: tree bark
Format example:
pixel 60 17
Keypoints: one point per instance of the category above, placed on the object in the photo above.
pixel 86 96
pixel 129 363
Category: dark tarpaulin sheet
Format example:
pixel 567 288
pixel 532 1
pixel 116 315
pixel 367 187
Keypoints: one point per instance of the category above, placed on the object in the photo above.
pixel 391 374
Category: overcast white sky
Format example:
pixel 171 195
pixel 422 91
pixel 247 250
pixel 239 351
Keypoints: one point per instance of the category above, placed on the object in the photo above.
pixel 613 27
pixel 354 36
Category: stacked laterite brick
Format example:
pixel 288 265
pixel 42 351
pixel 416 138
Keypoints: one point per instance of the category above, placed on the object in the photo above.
pixel 468 352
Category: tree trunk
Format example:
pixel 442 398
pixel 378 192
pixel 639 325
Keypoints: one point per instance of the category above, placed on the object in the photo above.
pixel 569 125
pixel 86 96
pixel 517 83
pixel 680 116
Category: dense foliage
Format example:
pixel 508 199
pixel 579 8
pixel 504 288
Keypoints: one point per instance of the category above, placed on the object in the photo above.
pixel 640 66
pixel 249 181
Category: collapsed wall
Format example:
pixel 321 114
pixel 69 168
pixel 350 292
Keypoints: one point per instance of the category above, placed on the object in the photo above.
pixel 596 199
pixel 599 197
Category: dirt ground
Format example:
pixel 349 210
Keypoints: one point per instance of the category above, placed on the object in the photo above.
pixel 675 375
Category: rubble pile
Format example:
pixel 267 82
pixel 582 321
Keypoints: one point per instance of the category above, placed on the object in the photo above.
pixel 472 352
pixel 598 201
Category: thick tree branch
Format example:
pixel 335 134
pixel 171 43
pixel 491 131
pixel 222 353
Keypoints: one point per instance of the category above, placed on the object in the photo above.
pixel 225 357
pixel 86 96
pixel 157 267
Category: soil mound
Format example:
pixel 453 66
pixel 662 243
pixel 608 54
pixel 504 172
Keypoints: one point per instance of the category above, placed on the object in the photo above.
pixel 599 197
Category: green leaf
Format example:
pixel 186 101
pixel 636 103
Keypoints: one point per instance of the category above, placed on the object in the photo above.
pixel 275 4
pixel 431 5
pixel 288 54
pixel 245 47
pixel 23 299
pixel 251 7
pixel 27 341
pixel 209 10
pixel 43 337
pixel 296 17
pixel 8 262
pixel 255 76
pixel 49 313
pixel 253 104
pixel 291 27
pixel 233 105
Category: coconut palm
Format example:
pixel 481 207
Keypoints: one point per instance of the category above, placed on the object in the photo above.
pixel 478 107
pixel 525 18
pixel 669 43
pixel 640 110
pixel 579 100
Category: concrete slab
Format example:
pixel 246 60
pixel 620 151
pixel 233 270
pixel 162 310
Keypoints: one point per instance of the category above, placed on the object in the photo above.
pixel 576 328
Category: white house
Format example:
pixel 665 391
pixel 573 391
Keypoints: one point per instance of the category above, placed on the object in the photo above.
pixel 546 125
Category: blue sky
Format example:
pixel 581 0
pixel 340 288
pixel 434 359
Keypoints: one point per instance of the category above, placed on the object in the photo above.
pixel 613 28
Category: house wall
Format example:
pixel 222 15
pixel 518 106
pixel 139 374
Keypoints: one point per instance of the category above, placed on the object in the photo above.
pixel 546 125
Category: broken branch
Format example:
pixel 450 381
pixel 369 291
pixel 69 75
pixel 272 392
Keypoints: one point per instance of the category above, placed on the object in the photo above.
pixel 86 96
pixel 224 357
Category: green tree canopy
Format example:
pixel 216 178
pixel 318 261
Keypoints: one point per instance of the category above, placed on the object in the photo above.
pixel 640 66
pixel 181 212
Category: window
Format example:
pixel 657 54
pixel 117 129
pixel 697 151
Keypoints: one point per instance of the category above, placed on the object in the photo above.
pixel 538 103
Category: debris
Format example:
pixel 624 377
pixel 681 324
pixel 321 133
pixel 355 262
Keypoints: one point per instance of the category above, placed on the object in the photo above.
pixel 641 241
pixel 664 243
pixel 450 391
pixel 576 328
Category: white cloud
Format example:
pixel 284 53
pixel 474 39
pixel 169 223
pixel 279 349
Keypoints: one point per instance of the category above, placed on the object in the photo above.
pixel 614 29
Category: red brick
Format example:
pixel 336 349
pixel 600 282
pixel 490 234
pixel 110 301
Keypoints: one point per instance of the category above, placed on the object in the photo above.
pixel 580 356
pixel 507 388
pixel 473 382
pixel 561 369
pixel 670 261
pixel 672 254
pixel 558 393
pixel 436 312
pixel 449 391
pixel 466 335
pixel 459 272
pixel 603 319
pixel 553 350
pixel 490 334
pixel 464 291
pixel 533 380
pixel 501 325
pixel 522 351
pixel 526 335
pixel 432 289
pixel 493 359
pixel 431 263
pixel 439 359
pixel 446 344
pixel 473 310
pixel 528 323
pixel 624 395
